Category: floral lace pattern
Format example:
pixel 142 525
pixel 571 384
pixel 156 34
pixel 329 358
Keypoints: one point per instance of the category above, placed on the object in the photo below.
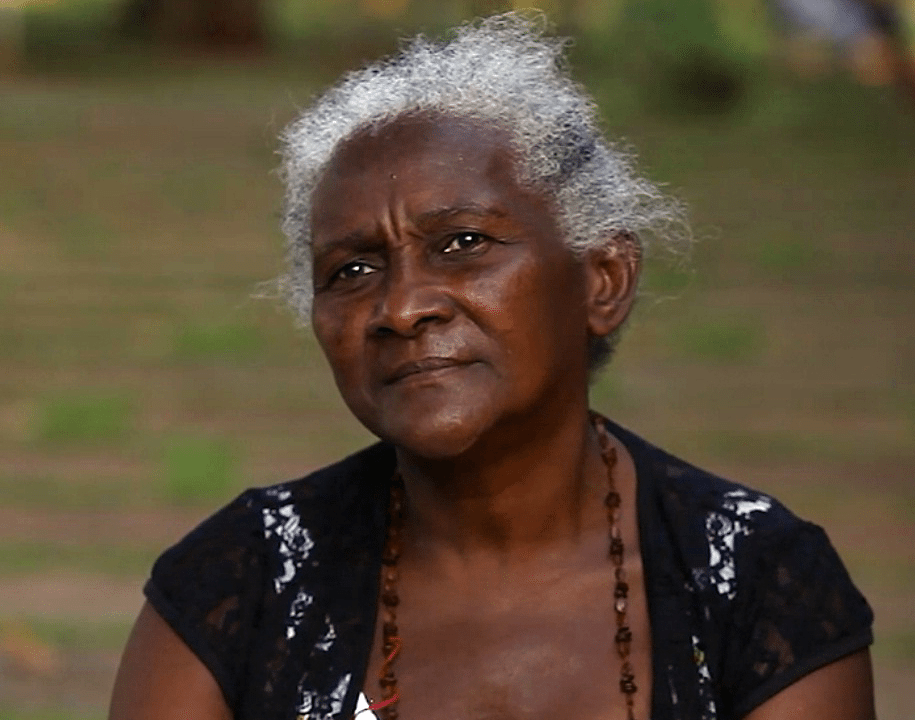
pixel 706 692
pixel 277 592
pixel 722 528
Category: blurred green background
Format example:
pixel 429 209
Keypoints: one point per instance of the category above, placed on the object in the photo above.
pixel 143 383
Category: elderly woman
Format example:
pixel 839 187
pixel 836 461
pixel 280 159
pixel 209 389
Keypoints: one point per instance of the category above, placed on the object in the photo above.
pixel 468 247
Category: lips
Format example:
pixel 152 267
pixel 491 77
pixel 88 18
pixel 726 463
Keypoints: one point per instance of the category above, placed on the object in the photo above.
pixel 421 367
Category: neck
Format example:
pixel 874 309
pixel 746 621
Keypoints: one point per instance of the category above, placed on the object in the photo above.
pixel 506 505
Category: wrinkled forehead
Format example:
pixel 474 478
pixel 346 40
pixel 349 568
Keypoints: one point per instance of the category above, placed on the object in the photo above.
pixel 427 159
pixel 415 168
pixel 398 141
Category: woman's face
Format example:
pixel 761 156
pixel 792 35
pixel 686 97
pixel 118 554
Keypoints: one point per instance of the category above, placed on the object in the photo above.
pixel 450 311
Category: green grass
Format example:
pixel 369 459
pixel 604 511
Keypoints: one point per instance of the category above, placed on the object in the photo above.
pixel 67 493
pixel 19 557
pixel 664 279
pixel 84 418
pixel 720 340
pixel 198 468
pixel 789 256
pixel 138 213
pixel 898 646
pixel 81 636
pixel 235 342
pixel 739 444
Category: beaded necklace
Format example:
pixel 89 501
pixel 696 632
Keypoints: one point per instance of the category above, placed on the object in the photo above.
pixel 390 637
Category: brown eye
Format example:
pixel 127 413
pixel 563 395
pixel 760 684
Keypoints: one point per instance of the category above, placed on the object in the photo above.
pixel 464 241
pixel 352 270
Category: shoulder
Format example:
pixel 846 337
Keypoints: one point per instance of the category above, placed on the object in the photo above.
pixel 688 498
pixel 249 576
pixel 271 532
pixel 718 537
pixel 770 598
pixel 317 499
pixel 338 484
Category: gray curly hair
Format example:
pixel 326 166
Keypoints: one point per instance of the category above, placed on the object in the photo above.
pixel 501 70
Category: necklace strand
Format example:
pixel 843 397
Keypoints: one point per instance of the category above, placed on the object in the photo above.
pixel 390 574
pixel 612 503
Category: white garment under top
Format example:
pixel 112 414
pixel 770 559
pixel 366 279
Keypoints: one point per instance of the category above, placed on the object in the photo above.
pixel 362 708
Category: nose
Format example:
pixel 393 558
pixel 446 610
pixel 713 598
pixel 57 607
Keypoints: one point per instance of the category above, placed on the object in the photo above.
pixel 412 299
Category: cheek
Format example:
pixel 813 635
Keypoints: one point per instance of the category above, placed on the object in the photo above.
pixel 334 334
pixel 547 301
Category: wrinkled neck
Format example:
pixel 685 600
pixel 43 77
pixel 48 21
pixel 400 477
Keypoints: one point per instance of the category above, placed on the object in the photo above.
pixel 506 506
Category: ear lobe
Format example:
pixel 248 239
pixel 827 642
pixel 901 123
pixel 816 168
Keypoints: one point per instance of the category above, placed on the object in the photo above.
pixel 612 278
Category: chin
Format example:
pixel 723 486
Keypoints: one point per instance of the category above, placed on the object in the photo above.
pixel 447 433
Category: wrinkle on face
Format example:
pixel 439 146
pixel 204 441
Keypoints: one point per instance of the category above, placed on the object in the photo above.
pixel 515 308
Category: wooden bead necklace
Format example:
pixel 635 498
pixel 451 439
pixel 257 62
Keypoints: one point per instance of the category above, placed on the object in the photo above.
pixel 390 637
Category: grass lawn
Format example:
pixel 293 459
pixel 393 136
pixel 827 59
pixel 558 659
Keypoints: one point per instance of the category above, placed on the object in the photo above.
pixel 143 384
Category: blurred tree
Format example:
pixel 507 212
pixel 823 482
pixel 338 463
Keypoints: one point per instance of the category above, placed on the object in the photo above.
pixel 384 8
pixel 224 24
pixel 12 36
pixel 681 56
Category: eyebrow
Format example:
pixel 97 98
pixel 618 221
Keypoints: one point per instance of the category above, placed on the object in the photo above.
pixel 442 214
pixel 362 241
pixel 354 242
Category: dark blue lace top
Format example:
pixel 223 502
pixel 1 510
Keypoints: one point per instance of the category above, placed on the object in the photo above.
pixel 277 592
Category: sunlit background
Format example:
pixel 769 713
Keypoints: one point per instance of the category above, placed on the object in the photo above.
pixel 144 382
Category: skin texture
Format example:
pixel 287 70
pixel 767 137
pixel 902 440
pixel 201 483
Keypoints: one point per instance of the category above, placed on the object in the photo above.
pixel 161 679
pixel 456 325
pixel 431 253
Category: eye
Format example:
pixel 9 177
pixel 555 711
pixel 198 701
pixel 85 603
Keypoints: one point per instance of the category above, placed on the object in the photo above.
pixel 352 270
pixel 464 241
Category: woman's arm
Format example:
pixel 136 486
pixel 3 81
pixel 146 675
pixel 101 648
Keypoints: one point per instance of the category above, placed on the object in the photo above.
pixel 161 679
pixel 842 690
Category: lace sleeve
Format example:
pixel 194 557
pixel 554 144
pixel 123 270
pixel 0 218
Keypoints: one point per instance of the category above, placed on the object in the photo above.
pixel 208 588
pixel 796 610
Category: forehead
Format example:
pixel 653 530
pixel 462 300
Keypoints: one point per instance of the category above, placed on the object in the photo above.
pixel 413 139
pixel 421 162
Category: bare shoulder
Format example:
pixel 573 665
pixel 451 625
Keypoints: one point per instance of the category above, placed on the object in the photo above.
pixel 160 678
pixel 841 690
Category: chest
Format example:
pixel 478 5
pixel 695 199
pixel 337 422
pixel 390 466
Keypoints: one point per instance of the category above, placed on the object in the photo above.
pixel 546 653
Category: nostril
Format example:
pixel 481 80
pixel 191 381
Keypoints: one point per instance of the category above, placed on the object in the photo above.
pixel 409 308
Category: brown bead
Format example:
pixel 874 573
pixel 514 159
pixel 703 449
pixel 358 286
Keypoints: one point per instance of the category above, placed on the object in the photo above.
pixel 390 577
pixel 616 548
pixel 627 679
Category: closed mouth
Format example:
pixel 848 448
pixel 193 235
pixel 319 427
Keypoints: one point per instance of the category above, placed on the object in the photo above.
pixel 423 367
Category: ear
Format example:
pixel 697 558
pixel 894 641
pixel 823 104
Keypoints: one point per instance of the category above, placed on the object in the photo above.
pixel 612 275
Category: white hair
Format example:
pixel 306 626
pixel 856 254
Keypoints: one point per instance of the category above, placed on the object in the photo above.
pixel 503 71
